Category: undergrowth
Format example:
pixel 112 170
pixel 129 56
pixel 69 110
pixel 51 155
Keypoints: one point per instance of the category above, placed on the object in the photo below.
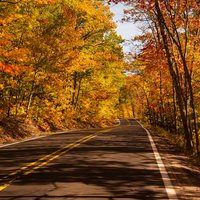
pixel 178 140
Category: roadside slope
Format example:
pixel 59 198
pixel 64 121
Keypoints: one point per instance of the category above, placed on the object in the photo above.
pixel 14 130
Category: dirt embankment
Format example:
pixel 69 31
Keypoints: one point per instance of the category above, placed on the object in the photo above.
pixel 14 130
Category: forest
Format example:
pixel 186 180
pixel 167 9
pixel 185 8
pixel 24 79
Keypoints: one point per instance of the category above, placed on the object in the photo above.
pixel 62 64
pixel 164 78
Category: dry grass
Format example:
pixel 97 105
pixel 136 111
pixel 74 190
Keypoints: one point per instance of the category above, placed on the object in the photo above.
pixel 178 140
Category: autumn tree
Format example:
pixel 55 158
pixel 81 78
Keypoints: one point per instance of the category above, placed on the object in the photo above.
pixel 171 29
pixel 60 61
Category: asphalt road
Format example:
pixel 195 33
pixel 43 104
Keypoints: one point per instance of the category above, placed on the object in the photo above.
pixel 97 164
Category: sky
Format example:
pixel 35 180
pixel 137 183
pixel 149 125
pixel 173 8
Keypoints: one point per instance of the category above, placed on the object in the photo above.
pixel 126 29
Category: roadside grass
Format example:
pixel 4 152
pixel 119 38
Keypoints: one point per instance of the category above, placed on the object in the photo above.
pixel 177 140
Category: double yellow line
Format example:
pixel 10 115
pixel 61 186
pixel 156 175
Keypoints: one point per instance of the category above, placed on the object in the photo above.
pixel 58 153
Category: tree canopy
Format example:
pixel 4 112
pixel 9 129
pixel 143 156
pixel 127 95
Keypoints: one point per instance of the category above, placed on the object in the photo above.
pixel 61 62
pixel 165 74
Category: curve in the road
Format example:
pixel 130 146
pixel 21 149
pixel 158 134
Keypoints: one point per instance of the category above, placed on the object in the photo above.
pixel 39 164
pixel 134 161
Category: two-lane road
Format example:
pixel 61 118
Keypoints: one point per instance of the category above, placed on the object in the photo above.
pixel 105 164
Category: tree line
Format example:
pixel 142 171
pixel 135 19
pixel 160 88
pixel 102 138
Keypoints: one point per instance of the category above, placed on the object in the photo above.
pixel 165 72
pixel 61 62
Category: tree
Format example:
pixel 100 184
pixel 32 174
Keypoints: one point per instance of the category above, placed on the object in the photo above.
pixel 172 27
pixel 55 56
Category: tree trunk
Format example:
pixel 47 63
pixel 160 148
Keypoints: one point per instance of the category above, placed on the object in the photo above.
pixel 128 110
pixel 77 98
pixel 31 93
pixel 162 102
pixel 18 98
pixel 173 74
pixel 9 104
pixel 132 104
pixel 175 111
pixel 74 92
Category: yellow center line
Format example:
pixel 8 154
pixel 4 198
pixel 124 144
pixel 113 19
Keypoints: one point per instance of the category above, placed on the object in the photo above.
pixel 75 144
pixel 44 163
pixel 33 163
pixel 128 122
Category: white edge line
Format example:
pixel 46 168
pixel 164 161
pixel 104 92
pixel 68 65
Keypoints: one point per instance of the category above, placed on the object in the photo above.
pixel 167 182
pixel 118 122
pixel 35 138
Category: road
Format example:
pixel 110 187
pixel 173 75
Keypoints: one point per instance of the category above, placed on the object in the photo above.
pixel 112 163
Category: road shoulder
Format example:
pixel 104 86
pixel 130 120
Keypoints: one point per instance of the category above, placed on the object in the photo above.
pixel 184 175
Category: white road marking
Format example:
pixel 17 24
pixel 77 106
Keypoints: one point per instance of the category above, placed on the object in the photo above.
pixel 118 122
pixel 167 182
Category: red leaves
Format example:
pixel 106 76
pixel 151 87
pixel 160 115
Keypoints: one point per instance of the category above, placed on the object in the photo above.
pixel 6 68
pixel 152 106
pixel 13 69
pixel 43 21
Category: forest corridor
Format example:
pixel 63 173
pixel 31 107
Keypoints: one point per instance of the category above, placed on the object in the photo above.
pixel 120 162
pixel 64 67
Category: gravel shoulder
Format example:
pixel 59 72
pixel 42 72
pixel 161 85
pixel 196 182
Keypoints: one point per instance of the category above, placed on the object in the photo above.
pixel 185 176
